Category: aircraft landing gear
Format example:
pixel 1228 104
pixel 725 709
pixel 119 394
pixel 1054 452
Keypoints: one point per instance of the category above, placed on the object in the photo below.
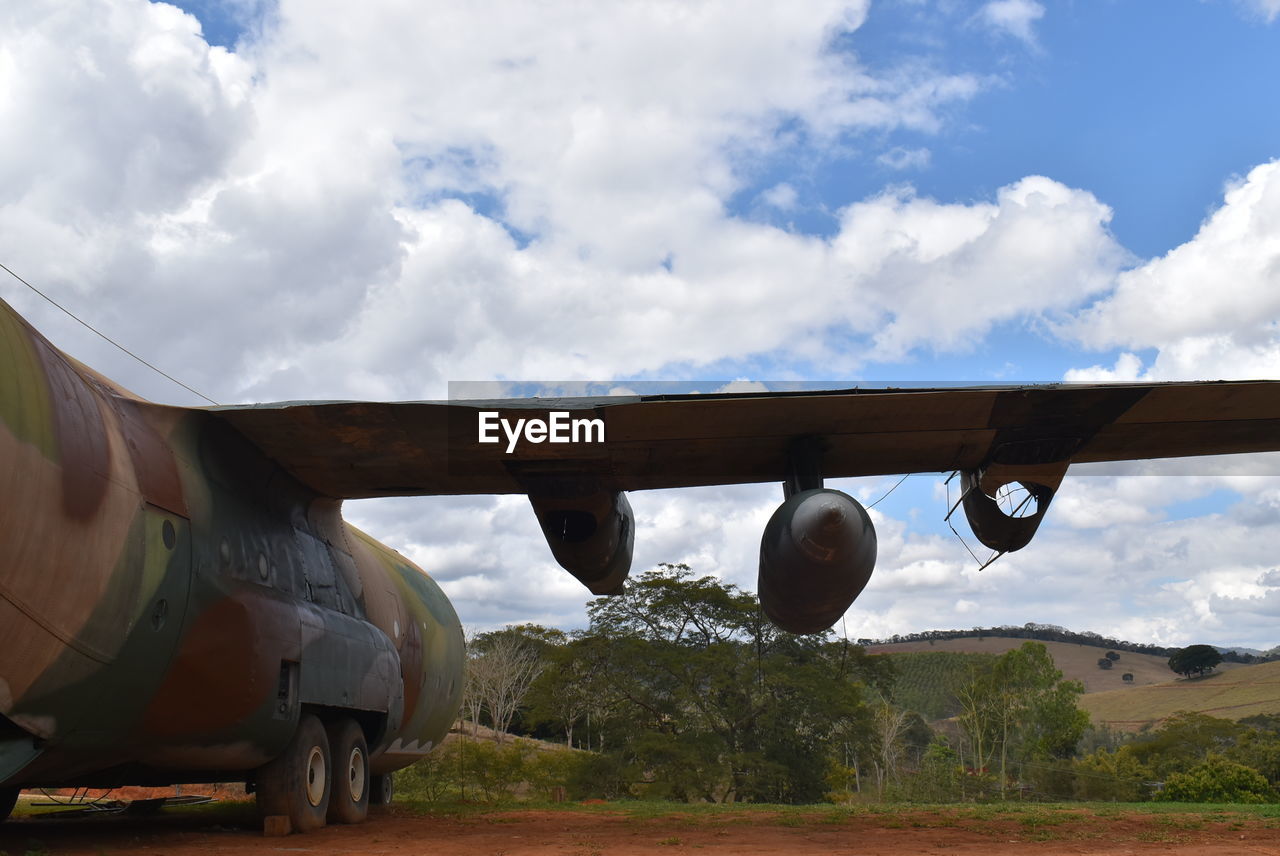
pixel 381 790
pixel 8 799
pixel 299 782
pixel 349 802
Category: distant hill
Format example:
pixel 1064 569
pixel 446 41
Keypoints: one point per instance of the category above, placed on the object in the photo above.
pixel 1253 652
pixel 931 670
pixel 1232 693
pixel 1077 661
pixel 927 681
pixel 1053 633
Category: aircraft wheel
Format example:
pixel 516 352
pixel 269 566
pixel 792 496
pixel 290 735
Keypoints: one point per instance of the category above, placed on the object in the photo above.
pixel 298 783
pixel 8 799
pixel 349 802
pixel 381 790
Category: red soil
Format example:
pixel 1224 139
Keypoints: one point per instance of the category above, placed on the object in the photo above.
pixel 597 833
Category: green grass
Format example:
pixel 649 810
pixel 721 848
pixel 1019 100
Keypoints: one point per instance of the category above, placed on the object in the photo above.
pixel 1027 814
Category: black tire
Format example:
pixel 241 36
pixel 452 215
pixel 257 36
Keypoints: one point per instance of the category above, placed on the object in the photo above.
pixel 349 802
pixel 381 790
pixel 8 799
pixel 298 783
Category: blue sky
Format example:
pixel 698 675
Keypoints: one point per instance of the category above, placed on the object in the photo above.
pixel 1152 106
pixel 279 201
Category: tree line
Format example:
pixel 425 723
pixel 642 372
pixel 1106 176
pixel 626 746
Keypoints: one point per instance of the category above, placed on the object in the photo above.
pixel 1054 633
pixel 681 689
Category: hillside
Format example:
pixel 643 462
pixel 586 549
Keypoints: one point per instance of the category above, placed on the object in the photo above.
pixel 1077 661
pixel 928 682
pixel 1231 694
pixel 1234 691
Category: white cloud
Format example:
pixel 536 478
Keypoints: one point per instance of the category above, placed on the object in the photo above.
pixel 1267 10
pixel 1015 18
pixel 781 196
pixel 1210 307
pixel 298 197
pixel 1127 369
pixel 943 275
pixel 900 158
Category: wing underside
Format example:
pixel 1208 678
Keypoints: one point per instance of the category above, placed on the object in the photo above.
pixel 366 449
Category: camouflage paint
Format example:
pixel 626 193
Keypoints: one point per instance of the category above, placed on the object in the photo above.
pixel 428 636
pixel 170 600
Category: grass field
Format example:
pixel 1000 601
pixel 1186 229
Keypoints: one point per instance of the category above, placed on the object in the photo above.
pixel 1233 694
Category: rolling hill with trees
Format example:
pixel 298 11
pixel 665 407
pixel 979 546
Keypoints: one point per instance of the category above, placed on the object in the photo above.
pixel 929 670
pixel 1078 661
pixel 1233 694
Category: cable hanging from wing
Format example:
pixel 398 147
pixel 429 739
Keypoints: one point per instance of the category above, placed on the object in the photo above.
pixel 889 491
pixel 951 509
pixel 104 336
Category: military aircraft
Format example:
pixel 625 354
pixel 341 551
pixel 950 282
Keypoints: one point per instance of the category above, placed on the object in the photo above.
pixel 181 601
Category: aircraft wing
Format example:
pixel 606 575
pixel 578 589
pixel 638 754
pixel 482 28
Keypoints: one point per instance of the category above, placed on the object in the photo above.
pixel 367 449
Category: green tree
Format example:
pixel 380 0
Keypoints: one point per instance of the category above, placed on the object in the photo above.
pixel 1218 780
pixel 744 711
pixel 1105 775
pixel 1195 660
pixel 1020 709
pixel 1260 750
pixel 1182 741
pixel 572 694
pixel 939 775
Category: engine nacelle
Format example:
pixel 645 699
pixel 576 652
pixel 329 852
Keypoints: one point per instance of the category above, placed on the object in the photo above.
pixel 991 525
pixel 816 556
pixel 592 536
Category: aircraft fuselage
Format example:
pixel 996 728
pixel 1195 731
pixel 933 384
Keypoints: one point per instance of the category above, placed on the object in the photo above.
pixel 172 602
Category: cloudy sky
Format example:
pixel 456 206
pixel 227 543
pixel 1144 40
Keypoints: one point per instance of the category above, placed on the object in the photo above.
pixel 292 200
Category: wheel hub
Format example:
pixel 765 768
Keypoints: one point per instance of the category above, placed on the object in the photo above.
pixel 355 774
pixel 315 776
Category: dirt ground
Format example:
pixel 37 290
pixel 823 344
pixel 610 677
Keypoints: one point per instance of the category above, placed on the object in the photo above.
pixel 604 832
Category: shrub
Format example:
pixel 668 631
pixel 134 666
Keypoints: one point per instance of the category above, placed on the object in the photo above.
pixel 939 779
pixel 1218 780
pixel 582 775
pixel 433 778
pixel 468 769
pixel 497 772
pixel 1112 776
